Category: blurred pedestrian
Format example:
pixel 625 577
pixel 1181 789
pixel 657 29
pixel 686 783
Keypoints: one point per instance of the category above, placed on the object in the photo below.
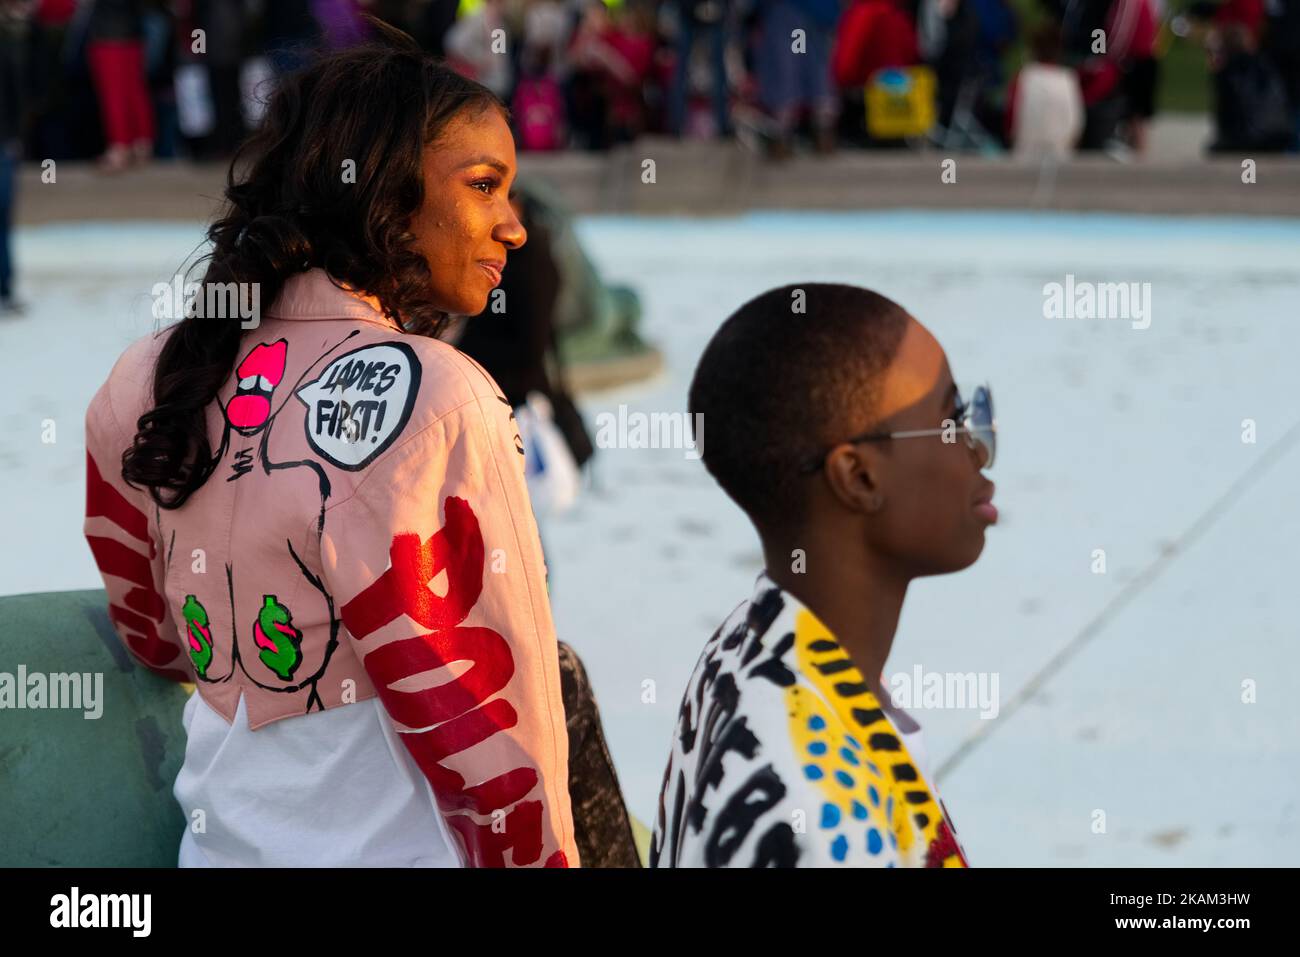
pixel 1283 46
pixel 795 70
pixel 1044 117
pixel 538 104
pixel 115 48
pixel 475 49
pixel 48 79
pixel 710 21
pixel 948 35
pixel 611 60
pixel 15 20
pixel 873 35
pixel 223 22
pixel 1131 28
pixel 1251 110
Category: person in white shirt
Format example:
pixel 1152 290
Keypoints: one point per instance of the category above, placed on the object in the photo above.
pixel 1045 102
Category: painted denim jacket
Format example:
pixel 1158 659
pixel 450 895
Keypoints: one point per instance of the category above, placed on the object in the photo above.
pixel 366 531
pixel 782 757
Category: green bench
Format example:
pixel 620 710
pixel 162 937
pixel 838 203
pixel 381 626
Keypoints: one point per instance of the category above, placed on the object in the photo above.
pixel 78 791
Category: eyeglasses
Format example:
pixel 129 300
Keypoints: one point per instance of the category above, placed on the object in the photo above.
pixel 974 420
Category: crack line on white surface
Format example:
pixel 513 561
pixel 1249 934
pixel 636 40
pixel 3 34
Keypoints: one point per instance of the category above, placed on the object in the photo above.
pixel 1203 523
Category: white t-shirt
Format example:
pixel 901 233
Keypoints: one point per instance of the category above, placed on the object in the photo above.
pixel 1049 114
pixel 335 788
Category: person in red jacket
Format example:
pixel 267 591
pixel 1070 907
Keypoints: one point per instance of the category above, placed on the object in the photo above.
pixel 872 35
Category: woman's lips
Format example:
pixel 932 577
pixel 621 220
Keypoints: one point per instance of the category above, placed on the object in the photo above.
pixel 985 508
pixel 493 272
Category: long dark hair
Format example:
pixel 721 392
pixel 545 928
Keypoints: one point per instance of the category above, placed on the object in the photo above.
pixel 290 207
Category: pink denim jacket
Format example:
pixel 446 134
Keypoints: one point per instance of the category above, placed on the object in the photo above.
pixel 366 530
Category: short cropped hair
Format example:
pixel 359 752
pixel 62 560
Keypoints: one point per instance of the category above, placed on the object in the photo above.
pixel 789 373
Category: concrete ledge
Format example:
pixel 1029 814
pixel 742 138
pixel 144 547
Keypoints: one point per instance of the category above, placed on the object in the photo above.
pixel 724 179
pixel 711 180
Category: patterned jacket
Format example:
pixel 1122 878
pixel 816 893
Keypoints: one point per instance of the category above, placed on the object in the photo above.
pixel 366 532
pixel 782 757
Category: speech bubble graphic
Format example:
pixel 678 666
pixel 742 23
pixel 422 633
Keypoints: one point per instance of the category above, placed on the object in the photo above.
pixel 360 403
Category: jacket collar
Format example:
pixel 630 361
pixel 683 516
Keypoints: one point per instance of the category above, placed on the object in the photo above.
pixel 314 295
pixel 765 586
pixel 767 592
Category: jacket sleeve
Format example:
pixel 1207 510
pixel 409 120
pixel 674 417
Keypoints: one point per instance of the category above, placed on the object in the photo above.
pixel 435 565
pixel 127 547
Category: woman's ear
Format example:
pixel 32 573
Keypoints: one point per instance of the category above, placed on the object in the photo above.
pixel 853 475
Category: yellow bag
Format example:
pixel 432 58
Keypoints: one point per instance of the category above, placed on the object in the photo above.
pixel 900 102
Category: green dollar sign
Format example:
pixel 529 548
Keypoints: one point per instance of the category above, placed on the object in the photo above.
pixel 277 638
pixel 199 633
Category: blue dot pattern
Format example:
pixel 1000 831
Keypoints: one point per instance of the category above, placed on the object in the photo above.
pixel 830 815
pixel 874 843
pixel 840 847
pixel 836 815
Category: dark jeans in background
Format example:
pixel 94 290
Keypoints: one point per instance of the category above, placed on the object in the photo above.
pixel 716 36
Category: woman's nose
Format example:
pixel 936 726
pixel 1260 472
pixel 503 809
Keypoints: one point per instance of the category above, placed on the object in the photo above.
pixel 512 232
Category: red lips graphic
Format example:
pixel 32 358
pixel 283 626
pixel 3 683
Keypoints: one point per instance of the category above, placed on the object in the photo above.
pixel 251 405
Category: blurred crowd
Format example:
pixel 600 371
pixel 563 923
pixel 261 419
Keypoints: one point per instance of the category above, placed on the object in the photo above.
pixel 128 81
